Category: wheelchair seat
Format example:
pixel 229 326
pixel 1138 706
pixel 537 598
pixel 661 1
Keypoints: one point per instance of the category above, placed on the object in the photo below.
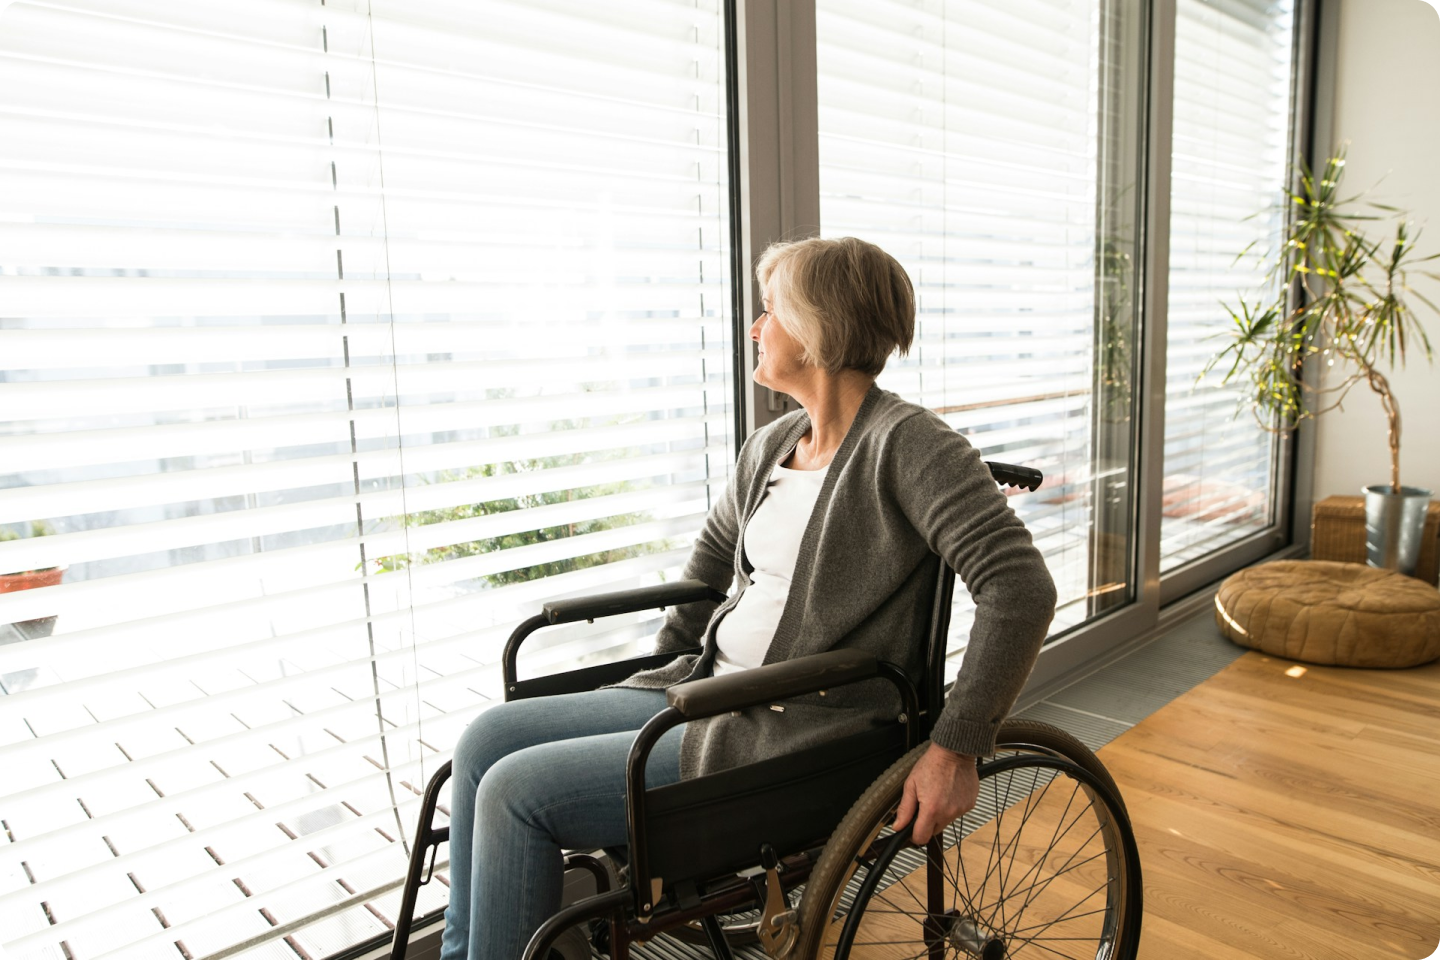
pixel 715 825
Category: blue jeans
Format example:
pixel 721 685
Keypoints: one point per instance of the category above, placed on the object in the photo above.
pixel 533 777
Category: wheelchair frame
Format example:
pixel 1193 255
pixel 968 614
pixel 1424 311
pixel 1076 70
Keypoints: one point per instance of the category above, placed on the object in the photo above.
pixel 634 911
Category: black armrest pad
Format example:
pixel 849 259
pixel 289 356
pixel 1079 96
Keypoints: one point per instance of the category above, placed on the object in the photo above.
pixel 767 684
pixel 628 601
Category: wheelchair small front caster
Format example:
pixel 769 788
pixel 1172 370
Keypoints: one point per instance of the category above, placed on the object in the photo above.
pixel 600 935
pixel 574 943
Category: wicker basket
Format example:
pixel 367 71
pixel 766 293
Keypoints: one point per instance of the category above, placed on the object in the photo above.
pixel 1337 532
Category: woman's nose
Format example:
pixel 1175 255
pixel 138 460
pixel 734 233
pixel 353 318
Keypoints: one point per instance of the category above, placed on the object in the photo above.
pixel 755 327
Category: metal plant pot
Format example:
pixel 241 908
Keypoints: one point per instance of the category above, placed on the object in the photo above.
pixel 1394 524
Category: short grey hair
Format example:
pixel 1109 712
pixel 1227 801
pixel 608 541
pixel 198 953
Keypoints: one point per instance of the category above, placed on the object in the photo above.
pixel 848 303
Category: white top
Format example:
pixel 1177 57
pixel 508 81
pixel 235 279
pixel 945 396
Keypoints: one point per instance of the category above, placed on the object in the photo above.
pixel 772 545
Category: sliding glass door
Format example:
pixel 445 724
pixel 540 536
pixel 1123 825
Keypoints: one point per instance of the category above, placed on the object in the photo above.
pixel 1231 162
pixel 992 147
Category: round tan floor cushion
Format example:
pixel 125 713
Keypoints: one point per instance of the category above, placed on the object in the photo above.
pixel 1320 611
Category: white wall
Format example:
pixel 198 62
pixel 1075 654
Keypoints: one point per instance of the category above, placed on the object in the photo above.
pixel 1387 104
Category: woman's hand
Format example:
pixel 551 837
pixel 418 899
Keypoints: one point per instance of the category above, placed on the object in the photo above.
pixel 943 785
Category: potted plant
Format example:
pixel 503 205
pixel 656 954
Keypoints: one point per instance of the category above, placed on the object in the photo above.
pixel 30 579
pixel 1349 317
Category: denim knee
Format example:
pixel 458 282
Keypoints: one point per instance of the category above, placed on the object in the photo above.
pixel 486 739
pixel 508 788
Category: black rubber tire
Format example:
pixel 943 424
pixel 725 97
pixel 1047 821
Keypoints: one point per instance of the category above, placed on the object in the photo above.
pixel 1051 739
pixel 875 810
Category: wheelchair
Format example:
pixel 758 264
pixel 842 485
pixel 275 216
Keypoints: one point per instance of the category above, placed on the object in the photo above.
pixel 1044 866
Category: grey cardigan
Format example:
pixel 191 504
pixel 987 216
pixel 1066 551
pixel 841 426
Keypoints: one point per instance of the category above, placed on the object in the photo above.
pixel 903 488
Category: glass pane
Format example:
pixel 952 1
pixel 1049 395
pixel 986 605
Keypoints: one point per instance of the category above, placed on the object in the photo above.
pixel 334 338
pixel 990 147
pixel 1231 154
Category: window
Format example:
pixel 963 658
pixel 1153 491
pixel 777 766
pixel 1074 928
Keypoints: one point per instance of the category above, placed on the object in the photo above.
pixel 1231 157
pixel 984 144
pixel 332 342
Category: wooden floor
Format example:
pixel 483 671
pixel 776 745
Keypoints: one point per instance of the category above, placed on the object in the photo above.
pixel 1289 816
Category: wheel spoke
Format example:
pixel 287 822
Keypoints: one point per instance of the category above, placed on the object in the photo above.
pixel 1031 805
pixel 1009 845
pixel 900 881
pixel 1055 837
pixel 961 891
pixel 1035 894
pixel 960 858
pixel 1042 946
pixel 1065 869
pixel 1040 942
pixel 1051 923
pixel 903 913
pixel 1058 939
pixel 921 913
pixel 995 853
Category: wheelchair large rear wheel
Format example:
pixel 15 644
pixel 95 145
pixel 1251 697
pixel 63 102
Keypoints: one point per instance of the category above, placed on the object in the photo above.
pixel 1044 867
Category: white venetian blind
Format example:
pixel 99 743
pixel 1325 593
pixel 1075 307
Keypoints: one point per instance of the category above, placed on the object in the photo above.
pixel 1229 166
pixel 334 337
pixel 963 138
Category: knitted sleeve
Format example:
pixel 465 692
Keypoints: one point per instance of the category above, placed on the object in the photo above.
pixel 946 492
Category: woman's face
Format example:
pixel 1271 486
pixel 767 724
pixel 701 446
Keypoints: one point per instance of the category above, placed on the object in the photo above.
pixel 778 365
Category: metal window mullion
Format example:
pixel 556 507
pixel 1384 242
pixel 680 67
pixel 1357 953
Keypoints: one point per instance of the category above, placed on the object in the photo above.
pixel 1316 51
pixel 779 160
pixel 1155 292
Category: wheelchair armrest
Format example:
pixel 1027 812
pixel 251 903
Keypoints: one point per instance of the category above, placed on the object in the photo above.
pixel 591 608
pixel 628 601
pixel 767 684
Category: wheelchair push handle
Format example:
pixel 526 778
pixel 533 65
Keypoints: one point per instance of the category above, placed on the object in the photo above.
pixel 1014 475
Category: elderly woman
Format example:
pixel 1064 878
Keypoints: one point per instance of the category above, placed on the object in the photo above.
pixel 826 531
